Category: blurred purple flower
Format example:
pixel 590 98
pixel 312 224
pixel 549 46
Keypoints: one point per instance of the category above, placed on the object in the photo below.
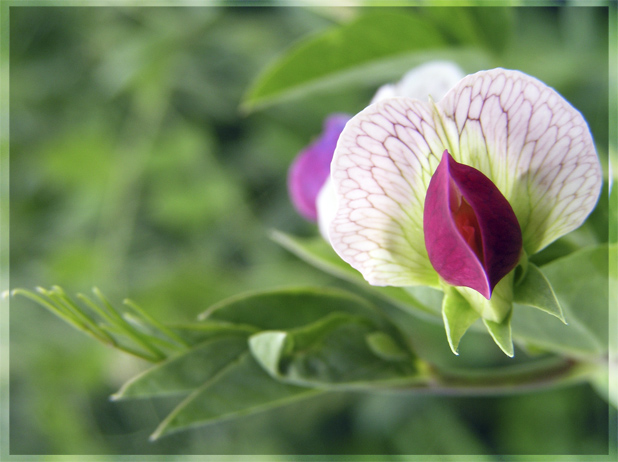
pixel 311 168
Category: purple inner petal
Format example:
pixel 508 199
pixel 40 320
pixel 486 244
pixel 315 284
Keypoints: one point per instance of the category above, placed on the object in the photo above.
pixel 472 236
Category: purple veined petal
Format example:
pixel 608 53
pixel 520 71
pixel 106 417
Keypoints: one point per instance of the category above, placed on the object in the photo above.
pixel 311 168
pixel 381 168
pixel 472 235
pixel 533 145
pixel 429 80
pixel 522 135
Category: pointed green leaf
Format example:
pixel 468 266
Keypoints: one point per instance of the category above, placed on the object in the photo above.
pixel 242 388
pixel 501 333
pixel 535 290
pixel 200 332
pixel 536 329
pixel 317 252
pixel 458 316
pixel 374 48
pixel 318 336
pixel 581 283
pixel 288 308
pixel 488 27
pixel 132 331
pixel 185 372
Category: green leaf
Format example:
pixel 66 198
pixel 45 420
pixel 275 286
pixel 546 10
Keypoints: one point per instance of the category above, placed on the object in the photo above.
pixel 308 336
pixel 302 326
pixel 289 308
pixel 581 283
pixel 487 27
pixel 243 387
pixel 374 48
pixel 185 372
pixel 318 253
pixel 501 333
pixel 200 332
pixel 458 316
pixel 535 290
pixel 494 26
pixel 338 350
pixel 129 329
pixel 535 329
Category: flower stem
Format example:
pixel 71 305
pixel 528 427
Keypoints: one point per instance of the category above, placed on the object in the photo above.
pixel 544 373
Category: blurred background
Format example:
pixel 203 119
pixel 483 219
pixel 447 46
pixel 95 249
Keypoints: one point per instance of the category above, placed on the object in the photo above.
pixel 133 169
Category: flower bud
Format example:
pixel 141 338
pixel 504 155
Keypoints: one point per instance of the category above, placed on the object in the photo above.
pixel 472 235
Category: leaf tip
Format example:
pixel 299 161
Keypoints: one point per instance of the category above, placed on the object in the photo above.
pixel 501 334
pixel 453 343
pixel 203 316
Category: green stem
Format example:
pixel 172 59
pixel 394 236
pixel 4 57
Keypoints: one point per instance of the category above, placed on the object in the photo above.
pixel 545 373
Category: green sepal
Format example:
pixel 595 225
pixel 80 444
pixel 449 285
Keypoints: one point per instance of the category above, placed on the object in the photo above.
pixel 458 316
pixel 497 308
pixel 501 333
pixel 535 290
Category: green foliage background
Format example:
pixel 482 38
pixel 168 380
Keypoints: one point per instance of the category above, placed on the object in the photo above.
pixel 134 168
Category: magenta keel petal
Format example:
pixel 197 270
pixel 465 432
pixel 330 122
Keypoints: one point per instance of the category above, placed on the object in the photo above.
pixel 472 236
pixel 311 167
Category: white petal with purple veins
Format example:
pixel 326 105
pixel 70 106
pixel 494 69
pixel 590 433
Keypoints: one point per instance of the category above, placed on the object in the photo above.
pixel 392 212
pixel 528 128
pixel 521 134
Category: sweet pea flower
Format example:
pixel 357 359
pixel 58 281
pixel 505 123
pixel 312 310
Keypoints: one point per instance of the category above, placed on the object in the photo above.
pixel 455 194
